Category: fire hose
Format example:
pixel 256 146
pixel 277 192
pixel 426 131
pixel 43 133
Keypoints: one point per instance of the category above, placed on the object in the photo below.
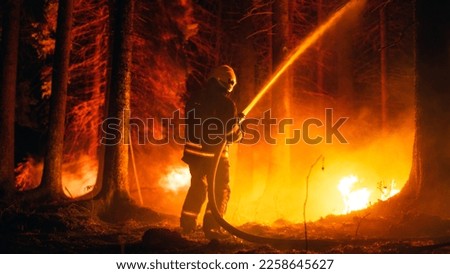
pixel 312 38
pixel 229 227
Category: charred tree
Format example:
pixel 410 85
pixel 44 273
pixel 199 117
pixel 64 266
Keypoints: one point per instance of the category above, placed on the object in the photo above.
pixel 280 49
pixel 9 57
pixel 52 174
pixel 320 52
pixel 383 68
pixel 114 196
pixel 247 60
pixel 344 65
pixel 279 169
pixel 105 111
pixel 428 187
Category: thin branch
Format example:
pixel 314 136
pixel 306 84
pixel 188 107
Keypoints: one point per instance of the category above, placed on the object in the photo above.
pixel 253 11
pixel 382 5
pixel 268 30
pixel 399 38
pixel 254 14
pixel 306 198
pixel 359 223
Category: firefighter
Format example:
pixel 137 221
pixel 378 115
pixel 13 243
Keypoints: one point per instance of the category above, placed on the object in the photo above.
pixel 210 116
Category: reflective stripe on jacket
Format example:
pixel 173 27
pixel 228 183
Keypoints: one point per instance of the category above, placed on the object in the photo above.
pixel 198 150
pixel 210 117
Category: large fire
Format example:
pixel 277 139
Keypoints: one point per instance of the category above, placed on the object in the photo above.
pixel 353 199
pixel 357 199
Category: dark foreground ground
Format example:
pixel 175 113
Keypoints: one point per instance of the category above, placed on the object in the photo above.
pixel 73 230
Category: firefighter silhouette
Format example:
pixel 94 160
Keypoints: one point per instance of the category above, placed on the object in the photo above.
pixel 210 116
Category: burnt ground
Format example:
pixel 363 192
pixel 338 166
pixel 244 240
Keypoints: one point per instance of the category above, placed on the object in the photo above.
pixel 73 229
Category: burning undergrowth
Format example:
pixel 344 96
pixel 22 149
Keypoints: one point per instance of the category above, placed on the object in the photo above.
pixel 79 176
pixel 350 176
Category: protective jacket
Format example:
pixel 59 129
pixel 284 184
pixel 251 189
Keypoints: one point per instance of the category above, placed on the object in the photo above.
pixel 210 117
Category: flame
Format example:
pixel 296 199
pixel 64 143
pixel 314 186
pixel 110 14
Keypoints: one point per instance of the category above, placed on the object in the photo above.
pixel 28 174
pixel 79 177
pixel 389 191
pixel 353 199
pixel 178 178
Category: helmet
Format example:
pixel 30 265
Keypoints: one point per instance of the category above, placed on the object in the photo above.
pixel 224 74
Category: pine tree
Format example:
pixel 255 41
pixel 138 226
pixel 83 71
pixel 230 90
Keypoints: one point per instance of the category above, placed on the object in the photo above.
pixel 9 57
pixel 52 175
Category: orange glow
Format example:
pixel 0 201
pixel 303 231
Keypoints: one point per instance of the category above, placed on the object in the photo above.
pixel 256 198
pixel 79 177
pixel 389 191
pixel 353 199
pixel 178 178
pixel 28 174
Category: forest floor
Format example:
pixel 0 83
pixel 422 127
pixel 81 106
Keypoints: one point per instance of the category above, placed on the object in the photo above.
pixel 72 229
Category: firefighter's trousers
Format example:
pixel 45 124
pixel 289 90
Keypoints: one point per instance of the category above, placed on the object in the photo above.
pixel 197 194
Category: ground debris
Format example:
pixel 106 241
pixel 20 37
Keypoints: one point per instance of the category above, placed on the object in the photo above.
pixel 74 229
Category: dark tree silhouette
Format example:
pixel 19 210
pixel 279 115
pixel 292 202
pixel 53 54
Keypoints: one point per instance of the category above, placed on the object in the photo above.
pixel 320 51
pixel 344 61
pixel 383 67
pixel 429 184
pixel 52 175
pixel 114 193
pixel 282 93
pixel 9 57
pixel 280 49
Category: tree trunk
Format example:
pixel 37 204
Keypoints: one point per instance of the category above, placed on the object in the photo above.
pixel 279 162
pixel 9 52
pixel 383 68
pixel 101 153
pixel 344 66
pixel 320 56
pixel 115 192
pixel 247 60
pixel 101 113
pixel 280 49
pixel 429 182
pixel 51 178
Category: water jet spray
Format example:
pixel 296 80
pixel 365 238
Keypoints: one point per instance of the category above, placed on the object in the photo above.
pixel 302 47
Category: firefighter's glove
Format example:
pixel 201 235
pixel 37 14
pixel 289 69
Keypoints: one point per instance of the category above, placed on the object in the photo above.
pixel 240 118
